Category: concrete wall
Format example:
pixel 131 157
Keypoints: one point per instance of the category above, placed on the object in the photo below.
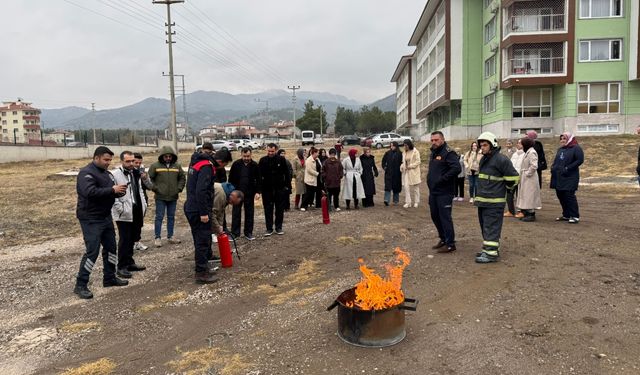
pixel 14 153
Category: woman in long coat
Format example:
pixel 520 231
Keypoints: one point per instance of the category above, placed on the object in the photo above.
pixel 369 173
pixel 352 183
pixel 391 162
pixel 298 169
pixel 565 176
pixel 410 169
pixel 528 188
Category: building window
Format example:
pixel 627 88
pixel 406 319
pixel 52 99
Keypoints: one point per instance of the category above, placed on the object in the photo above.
pixel 599 128
pixel 601 50
pixel 599 98
pixel 15 113
pixel 4 113
pixel 4 122
pixel 15 121
pixel 490 66
pixel 531 103
pixel 600 8
pixel 490 103
pixel 490 30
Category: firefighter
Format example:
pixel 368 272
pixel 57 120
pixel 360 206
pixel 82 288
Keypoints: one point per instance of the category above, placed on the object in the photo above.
pixel 495 176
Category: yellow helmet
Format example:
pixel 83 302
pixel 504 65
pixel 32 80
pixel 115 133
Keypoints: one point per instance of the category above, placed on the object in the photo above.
pixel 489 137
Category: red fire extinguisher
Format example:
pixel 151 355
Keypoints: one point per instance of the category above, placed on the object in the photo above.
pixel 325 209
pixel 226 260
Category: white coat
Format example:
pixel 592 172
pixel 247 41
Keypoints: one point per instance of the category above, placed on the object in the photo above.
pixel 122 209
pixel 410 167
pixel 351 171
pixel 311 172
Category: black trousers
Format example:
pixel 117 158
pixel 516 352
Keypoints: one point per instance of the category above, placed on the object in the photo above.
pixel 96 233
pixel 128 235
pixel 569 203
pixel 310 195
pixel 441 206
pixel 539 176
pixel 318 197
pixel 274 199
pixel 511 198
pixel 491 225
pixel 460 187
pixel 236 216
pixel 201 233
pixel 367 201
pixel 334 194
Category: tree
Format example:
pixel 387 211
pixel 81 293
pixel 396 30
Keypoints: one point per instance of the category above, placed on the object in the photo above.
pixel 310 120
pixel 375 121
pixel 346 121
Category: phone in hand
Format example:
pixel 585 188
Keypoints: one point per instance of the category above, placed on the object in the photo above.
pixel 142 169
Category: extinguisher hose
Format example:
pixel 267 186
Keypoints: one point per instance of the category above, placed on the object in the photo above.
pixel 235 245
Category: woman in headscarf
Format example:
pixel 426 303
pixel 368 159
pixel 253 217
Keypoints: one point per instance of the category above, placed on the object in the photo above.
pixel 352 183
pixel 472 166
pixel 528 188
pixel 298 169
pixel 565 176
pixel 516 160
pixel 410 169
pixel 311 175
pixel 369 173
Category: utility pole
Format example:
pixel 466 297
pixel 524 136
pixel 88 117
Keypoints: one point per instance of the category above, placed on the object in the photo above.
pixel 169 25
pixel 320 107
pixel 293 88
pixel 184 102
pixel 93 121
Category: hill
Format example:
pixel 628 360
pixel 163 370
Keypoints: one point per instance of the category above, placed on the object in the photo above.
pixel 387 104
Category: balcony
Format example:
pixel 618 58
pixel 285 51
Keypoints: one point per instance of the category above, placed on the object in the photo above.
pixel 534 60
pixel 535 17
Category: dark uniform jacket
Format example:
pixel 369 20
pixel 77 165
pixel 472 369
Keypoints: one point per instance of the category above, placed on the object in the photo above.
pixel 252 185
pixel 391 162
pixel 95 193
pixel 274 174
pixel 565 171
pixel 496 174
pixel 444 167
pixel 200 185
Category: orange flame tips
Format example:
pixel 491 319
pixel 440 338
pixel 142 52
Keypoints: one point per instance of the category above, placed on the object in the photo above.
pixel 376 293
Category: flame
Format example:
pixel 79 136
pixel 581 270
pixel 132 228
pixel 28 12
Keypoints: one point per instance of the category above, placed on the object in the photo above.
pixel 376 293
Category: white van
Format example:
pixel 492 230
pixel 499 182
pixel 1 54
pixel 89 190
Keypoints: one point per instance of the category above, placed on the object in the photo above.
pixel 308 137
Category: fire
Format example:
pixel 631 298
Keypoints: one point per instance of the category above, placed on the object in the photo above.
pixel 376 293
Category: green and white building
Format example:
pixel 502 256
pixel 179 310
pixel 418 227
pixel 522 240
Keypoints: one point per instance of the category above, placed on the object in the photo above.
pixel 507 66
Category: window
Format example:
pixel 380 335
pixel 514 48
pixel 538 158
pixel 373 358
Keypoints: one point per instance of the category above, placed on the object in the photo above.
pixel 531 103
pixel 599 98
pixel 4 113
pixel 600 50
pixel 490 66
pixel 490 103
pixel 490 30
pixel 487 3
pixel 15 121
pixel 599 128
pixel 15 113
pixel 4 122
pixel 600 8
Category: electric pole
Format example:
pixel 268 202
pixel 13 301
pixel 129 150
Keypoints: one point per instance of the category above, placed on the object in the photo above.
pixel 174 130
pixel 184 102
pixel 320 107
pixel 293 88
pixel 93 121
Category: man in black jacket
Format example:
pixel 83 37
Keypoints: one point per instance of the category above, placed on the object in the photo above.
pixel 245 176
pixel 197 209
pixel 444 167
pixel 97 192
pixel 276 183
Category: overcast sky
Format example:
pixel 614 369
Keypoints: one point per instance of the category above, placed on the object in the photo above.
pixel 56 54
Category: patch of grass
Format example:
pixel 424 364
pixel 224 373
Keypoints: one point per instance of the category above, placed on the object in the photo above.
pixel 103 366
pixel 69 327
pixel 162 301
pixel 373 237
pixel 346 240
pixel 291 288
pixel 203 361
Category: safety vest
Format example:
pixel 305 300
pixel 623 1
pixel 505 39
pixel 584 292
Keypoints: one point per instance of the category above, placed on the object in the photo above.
pixel 495 176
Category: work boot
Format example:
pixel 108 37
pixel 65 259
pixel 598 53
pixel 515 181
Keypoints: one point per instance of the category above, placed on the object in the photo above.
pixel 529 217
pixel 124 273
pixel 438 245
pixel 136 268
pixel 486 258
pixel 114 282
pixel 206 277
pixel 83 292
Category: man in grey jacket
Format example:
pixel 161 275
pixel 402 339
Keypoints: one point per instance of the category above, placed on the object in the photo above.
pixel 128 212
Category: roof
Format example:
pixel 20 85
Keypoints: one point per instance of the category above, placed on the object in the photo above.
pixel 401 64
pixel 16 106
pixel 423 22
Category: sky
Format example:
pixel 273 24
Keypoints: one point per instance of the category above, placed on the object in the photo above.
pixel 58 53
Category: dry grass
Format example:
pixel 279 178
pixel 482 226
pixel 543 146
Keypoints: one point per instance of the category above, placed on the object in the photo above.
pixel 162 301
pixel 69 327
pixel 346 240
pixel 103 366
pixel 373 237
pixel 292 286
pixel 206 361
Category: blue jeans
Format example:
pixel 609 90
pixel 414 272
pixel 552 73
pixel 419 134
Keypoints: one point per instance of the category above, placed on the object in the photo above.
pixel 473 184
pixel 170 207
pixel 387 196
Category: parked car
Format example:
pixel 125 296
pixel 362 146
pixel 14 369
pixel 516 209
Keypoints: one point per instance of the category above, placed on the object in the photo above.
pixel 223 144
pixel 349 140
pixel 241 143
pixel 366 141
pixel 385 139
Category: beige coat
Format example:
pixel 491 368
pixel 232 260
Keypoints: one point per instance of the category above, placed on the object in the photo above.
pixel 298 174
pixel 311 172
pixel 219 206
pixel 529 187
pixel 472 161
pixel 410 167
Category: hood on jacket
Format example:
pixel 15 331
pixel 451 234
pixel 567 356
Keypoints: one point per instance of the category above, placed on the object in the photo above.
pixel 167 150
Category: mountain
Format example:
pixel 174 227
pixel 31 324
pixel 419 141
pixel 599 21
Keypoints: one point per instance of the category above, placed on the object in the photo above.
pixel 387 104
pixel 203 108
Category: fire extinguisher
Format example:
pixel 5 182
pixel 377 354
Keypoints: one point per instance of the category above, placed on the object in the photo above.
pixel 325 209
pixel 226 260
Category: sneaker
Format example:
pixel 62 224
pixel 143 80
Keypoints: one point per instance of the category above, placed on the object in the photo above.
pixel 438 245
pixel 206 277
pixel 461 199
pixel 507 214
pixel 269 233
pixel 447 249
pixel 303 209
pixel 574 220
pixel 562 218
pixel 214 238
pixel 83 292
pixel 140 246
pixel 279 232
pixel 174 241
pixel 249 237
pixel 386 203
pixel 157 242
pixel 338 209
pixel 486 258
pixel 407 205
pixel 114 282
pixel 415 205
pixel 470 200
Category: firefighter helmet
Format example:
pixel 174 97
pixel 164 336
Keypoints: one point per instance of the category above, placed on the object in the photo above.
pixel 489 137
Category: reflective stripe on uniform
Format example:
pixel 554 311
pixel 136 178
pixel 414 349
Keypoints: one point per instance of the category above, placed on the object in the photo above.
pixel 490 200
pixel 113 258
pixel 167 170
pixel 491 243
pixel 512 178
pixel 485 176
pixel 493 253
pixel 88 265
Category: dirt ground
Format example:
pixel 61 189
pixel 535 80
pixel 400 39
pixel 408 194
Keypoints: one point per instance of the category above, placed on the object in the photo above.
pixel 565 299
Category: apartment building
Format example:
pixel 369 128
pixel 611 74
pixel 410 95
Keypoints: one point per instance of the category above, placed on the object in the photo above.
pixel 19 122
pixel 512 65
pixel 405 79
